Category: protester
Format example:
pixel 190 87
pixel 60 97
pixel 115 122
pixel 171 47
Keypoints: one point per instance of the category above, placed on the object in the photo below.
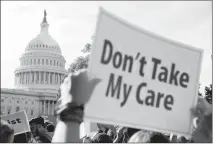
pixel 203 125
pixel 101 138
pixel 76 91
pixel 131 132
pixel 144 136
pixel 6 132
pixel 39 132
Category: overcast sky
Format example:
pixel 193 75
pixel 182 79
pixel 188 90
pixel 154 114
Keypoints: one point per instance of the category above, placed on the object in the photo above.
pixel 72 23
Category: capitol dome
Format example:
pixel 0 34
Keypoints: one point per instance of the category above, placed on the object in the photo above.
pixel 42 66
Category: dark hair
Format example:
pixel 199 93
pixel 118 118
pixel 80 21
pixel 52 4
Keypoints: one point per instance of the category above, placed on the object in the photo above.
pixel 132 131
pixel 158 138
pixel 101 138
pixel 50 128
pixel 38 120
pixel 6 130
pixel 46 124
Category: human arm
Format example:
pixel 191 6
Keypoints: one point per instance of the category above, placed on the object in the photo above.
pixel 76 91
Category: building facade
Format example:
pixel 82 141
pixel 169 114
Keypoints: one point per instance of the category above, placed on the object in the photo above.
pixel 38 78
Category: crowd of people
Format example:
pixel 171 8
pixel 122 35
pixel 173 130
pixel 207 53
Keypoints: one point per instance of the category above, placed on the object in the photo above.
pixel 41 132
pixel 75 93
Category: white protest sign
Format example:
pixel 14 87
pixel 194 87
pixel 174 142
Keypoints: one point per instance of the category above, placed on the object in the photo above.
pixel 148 82
pixel 19 122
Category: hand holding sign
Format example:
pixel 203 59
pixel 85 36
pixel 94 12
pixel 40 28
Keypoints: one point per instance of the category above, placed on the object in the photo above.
pixel 78 88
pixel 19 121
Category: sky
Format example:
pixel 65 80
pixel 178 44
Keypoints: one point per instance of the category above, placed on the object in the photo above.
pixel 72 24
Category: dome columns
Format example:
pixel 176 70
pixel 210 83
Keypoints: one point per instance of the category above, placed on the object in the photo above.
pixel 38 77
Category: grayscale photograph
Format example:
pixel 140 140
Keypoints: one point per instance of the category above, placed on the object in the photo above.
pixel 106 72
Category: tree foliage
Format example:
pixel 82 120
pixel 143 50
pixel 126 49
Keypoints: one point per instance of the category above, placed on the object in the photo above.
pixel 208 93
pixel 82 61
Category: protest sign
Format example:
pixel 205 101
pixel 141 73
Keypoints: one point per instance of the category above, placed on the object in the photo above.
pixel 148 82
pixel 19 122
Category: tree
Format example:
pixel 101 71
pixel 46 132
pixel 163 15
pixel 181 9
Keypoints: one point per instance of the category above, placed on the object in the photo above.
pixel 208 93
pixel 82 61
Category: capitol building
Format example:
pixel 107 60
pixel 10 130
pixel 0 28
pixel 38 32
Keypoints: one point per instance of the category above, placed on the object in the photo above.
pixel 37 80
pixel 38 77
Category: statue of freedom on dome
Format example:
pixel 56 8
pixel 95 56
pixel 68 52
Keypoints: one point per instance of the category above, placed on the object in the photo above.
pixel 45 14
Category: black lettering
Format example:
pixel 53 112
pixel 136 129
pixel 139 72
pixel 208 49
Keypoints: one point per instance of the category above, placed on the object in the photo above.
pixel 126 94
pixel 114 88
pixel 143 62
pixel 117 57
pixel 151 98
pixel 13 122
pixel 126 59
pixel 107 44
pixel 163 75
pixel 18 120
pixel 8 121
pixel 173 75
pixel 156 62
pixel 138 93
pixel 184 78
pixel 168 101
pixel 160 96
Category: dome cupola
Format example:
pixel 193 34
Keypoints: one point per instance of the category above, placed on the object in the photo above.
pixel 43 41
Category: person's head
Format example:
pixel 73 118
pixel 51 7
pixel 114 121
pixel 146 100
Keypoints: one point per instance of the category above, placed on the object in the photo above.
pixel 182 139
pixel 101 138
pixel 130 132
pixel 50 128
pixel 35 123
pixel 203 133
pixel 6 132
pixel 148 137
pixel 46 124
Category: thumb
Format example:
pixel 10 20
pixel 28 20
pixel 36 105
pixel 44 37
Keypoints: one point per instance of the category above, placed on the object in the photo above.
pixel 95 81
